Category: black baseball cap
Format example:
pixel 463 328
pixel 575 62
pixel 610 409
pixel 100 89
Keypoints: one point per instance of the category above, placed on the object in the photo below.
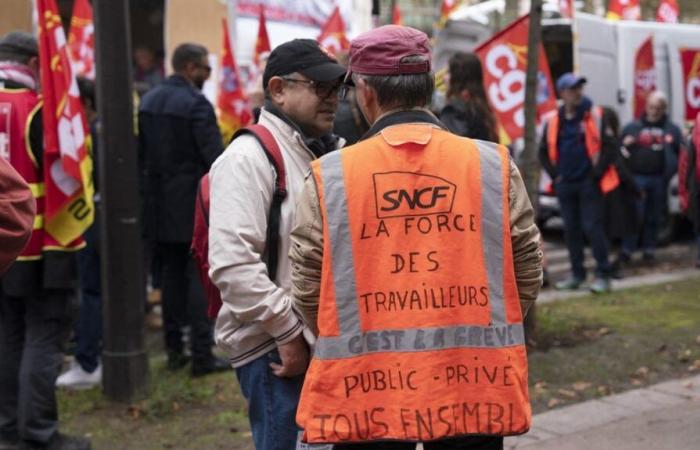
pixel 305 56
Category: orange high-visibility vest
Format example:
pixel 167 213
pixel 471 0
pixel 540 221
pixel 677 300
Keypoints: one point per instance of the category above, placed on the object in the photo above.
pixel 610 179
pixel 420 326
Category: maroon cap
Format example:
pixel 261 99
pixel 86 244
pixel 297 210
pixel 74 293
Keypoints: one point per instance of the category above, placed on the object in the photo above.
pixel 380 51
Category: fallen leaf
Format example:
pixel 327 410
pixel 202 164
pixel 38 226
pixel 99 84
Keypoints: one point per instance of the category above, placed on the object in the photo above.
pixel 568 393
pixel 135 411
pixel 553 402
pixel 233 430
pixel 176 406
pixel 688 385
pixel 581 385
pixel 604 390
pixel 662 348
pixel 541 385
pixel 636 382
pixel 642 372
pixel 684 356
pixel 603 331
pixel 697 339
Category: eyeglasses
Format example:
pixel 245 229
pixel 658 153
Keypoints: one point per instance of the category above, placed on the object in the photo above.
pixel 322 89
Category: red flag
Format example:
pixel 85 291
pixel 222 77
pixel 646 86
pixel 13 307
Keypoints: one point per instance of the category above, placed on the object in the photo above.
pixel 690 60
pixel 504 58
pixel 566 8
pixel 668 11
pixel 332 35
pixel 396 18
pixel 81 47
pixel 67 163
pixel 232 103
pixel 644 76
pixel 624 9
pixel 262 43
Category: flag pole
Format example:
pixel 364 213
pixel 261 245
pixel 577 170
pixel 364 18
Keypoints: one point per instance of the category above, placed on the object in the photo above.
pixel 124 356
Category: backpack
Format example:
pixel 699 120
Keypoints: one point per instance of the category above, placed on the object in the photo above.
pixel 200 233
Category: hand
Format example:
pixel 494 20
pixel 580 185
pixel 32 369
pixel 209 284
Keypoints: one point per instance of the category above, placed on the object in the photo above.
pixel 295 358
pixel 628 140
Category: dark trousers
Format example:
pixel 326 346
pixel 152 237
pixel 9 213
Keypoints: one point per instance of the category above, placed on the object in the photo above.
pixel 33 331
pixel 184 303
pixel 581 205
pixel 88 327
pixel 649 211
pixel 466 443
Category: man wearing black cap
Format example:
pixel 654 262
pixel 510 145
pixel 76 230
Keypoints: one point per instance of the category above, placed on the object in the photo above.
pixel 577 152
pixel 36 291
pixel 256 325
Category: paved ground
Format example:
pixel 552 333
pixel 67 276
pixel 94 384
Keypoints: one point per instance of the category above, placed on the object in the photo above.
pixel 663 416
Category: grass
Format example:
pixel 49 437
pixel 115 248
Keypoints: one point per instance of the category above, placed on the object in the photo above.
pixel 584 348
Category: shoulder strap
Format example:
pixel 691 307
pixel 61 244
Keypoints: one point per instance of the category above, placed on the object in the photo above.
pixel 274 155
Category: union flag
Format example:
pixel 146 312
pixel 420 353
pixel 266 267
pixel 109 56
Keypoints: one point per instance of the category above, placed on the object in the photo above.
pixel 624 9
pixel 67 162
pixel 231 102
pixel 668 11
pixel 81 45
pixel 332 35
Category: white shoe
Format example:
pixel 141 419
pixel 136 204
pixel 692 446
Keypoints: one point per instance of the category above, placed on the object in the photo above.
pixel 76 378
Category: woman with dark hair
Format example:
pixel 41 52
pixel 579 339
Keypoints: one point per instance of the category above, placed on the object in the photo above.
pixel 468 113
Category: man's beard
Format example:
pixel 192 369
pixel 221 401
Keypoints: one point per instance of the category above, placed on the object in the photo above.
pixel 199 84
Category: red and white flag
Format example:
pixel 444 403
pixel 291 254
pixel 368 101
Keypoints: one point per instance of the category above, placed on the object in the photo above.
pixel 332 35
pixel 504 60
pixel 566 8
pixel 396 18
pixel 668 11
pixel 624 9
pixel 644 75
pixel 446 8
pixel 81 40
pixel 232 104
pixel 67 163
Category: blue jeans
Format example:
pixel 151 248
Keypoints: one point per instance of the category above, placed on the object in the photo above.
pixel 581 205
pixel 88 327
pixel 649 211
pixel 272 403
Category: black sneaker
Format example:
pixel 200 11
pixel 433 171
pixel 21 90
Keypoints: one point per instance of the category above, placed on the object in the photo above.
pixel 213 365
pixel 59 441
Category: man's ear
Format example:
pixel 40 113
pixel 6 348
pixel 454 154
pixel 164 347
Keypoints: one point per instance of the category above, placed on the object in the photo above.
pixel 33 63
pixel 275 87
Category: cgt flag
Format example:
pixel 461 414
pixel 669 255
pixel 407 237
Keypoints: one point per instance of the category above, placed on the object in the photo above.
pixel 231 102
pixel 690 61
pixel 67 162
pixel 332 35
pixel 262 43
pixel 644 75
pixel 504 58
pixel 668 11
pixel 81 47
pixel 624 9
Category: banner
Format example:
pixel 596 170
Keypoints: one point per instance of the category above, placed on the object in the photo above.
pixel 668 11
pixel 504 60
pixel 81 46
pixel 644 76
pixel 67 163
pixel 231 102
pixel 332 35
pixel 690 61
pixel 624 9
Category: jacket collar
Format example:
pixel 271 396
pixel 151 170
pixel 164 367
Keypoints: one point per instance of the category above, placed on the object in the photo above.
pixel 400 117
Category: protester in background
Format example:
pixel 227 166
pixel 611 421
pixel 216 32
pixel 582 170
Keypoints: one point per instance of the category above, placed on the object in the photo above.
pixel 36 291
pixel 256 324
pixel 349 123
pixel 148 72
pixel 621 218
pixel 17 211
pixel 689 181
pixel 179 140
pixel 468 112
pixel 650 142
pixel 86 371
pixel 354 246
pixel 577 153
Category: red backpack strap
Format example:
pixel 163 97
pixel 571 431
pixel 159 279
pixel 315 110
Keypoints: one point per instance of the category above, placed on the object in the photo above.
pixel 274 155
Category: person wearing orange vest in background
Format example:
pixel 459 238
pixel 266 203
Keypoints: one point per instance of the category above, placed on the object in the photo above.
pixel 415 257
pixel 37 290
pixel 577 154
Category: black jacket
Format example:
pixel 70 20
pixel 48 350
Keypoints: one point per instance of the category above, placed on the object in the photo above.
pixel 464 122
pixel 178 141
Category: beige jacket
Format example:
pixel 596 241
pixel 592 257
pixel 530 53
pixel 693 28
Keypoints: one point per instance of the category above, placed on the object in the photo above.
pixel 306 253
pixel 257 313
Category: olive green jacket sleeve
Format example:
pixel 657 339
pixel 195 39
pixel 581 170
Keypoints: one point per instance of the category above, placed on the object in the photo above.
pixel 306 252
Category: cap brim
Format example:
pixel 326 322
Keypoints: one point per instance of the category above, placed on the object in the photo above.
pixel 580 82
pixel 324 72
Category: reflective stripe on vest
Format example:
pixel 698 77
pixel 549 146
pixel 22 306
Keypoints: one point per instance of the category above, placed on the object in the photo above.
pixel 423 348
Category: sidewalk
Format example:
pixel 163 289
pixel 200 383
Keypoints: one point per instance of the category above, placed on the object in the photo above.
pixel 662 416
